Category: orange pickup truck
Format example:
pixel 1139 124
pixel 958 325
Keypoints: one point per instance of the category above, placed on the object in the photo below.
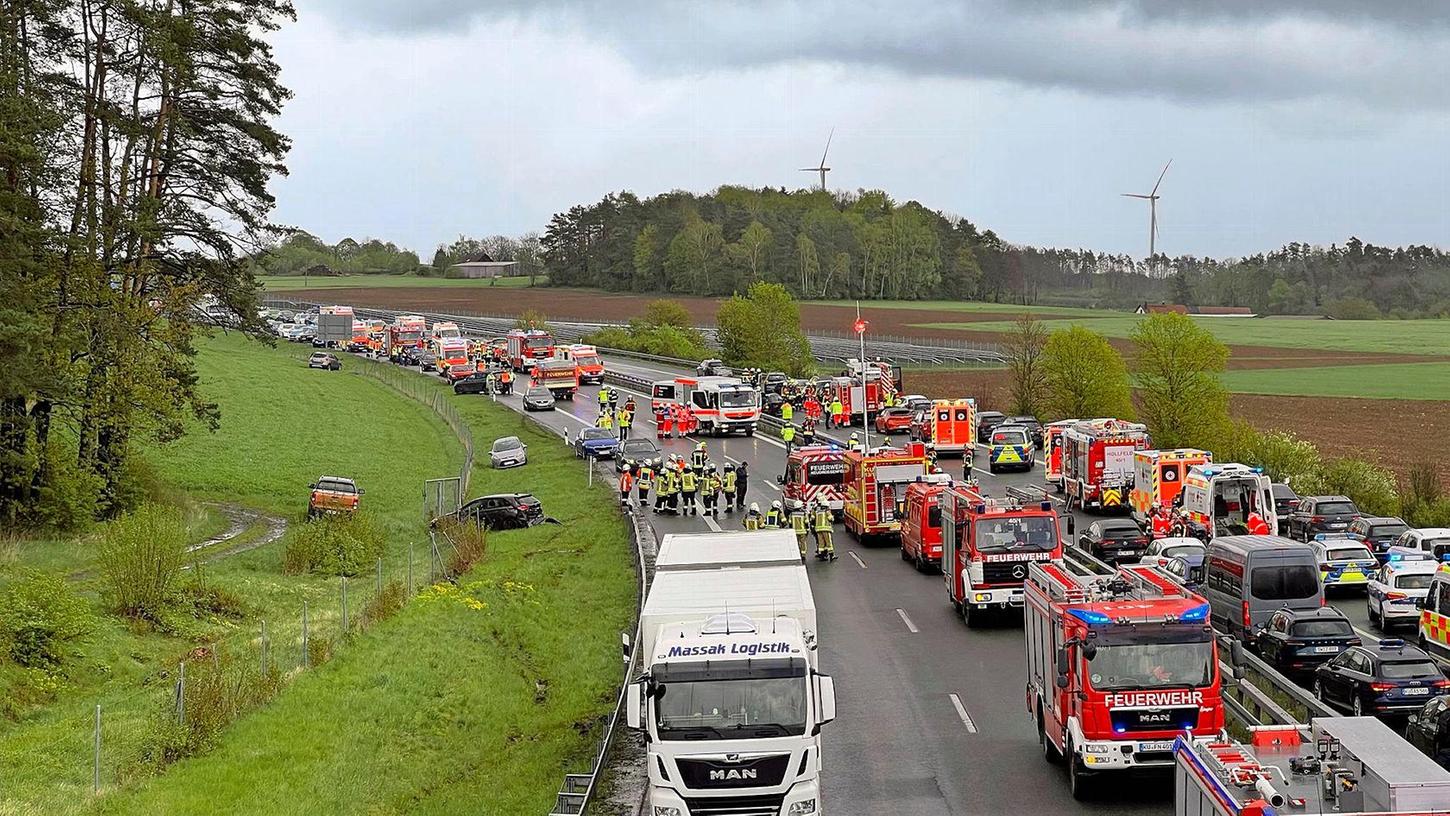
pixel 333 494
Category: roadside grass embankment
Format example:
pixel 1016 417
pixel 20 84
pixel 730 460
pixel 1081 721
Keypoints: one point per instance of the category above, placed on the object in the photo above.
pixel 474 698
pixel 282 426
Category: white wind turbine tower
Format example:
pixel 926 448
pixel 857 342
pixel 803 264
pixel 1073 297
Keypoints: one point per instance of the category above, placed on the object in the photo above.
pixel 1152 199
pixel 822 168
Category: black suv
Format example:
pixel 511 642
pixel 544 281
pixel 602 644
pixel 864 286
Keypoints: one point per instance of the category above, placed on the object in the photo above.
pixel 1377 533
pixel 986 421
pixel 502 511
pixel 1033 426
pixel 1114 540
pixel 1285 500
pixel 1321 514
pixel 1299 640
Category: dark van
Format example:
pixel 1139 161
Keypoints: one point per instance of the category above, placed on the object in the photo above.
pixel 1247 578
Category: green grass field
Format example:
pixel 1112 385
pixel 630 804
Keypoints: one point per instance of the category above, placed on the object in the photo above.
pixel 1414 381
pixel 287 283
pixel 1393 336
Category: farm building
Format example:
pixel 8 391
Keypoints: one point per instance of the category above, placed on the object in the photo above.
pixel 1200 311
pixel 484 269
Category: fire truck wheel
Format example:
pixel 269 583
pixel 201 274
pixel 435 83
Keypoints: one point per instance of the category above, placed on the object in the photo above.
pixel 1078 779
pixel 905 556
pixel 1049 749
pixel 968 618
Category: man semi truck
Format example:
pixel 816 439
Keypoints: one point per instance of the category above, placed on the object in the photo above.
pixel 731 699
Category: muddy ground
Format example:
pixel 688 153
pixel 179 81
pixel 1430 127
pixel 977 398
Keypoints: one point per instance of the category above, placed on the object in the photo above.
pixel 573 304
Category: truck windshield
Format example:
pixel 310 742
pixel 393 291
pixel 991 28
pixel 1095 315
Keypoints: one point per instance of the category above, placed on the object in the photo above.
pixel 826 473
pixel 737 399
pixel 538 342
pixel 1149 664
pixel 719 703
pixel 1016 534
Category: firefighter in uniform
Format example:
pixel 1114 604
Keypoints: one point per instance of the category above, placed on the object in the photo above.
pixel 727 484
pixel 664 490
pixel 606 419
pixel 613 399
pixel 787 435
pixel 644 483
pixel 798 524
pixel 667 422
pixel 855 442
pixel 689 489
pixel 624 418
pixel 626 485
pixel 710 491
pixel 603 399
pixel 808 432
pixel 772 516
pixel 825 549
pixel 699 456
pixel 838 412
pixel 629 408
pixel 752 517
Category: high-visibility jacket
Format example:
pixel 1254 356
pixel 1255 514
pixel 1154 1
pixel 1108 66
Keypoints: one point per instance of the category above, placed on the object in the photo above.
pixel 698 457
pixel 752 521
pixel 667 484
pixel 605 420
pixel 798 522
pixel 646 478
pixel 687 481
pixel 624 419
pixel 626 481
pixel 772 517
pixel 787 411
pixel 787 434
pixel 823 521
pixel 603 396
pixel 837 408
pixel 729 482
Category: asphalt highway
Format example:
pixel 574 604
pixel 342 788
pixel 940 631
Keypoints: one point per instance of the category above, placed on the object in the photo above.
pixel 931 715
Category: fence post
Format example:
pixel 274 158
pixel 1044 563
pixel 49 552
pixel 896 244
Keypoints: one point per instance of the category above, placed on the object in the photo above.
pixel 264 646
pixel 304 634
pixel 344 605
pixel 96 768
pixel 181 694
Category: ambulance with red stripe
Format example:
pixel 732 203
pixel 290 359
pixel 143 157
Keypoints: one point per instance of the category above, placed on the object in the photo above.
pixel 988 544
pixel 1158 477
pixel 876 484
pixel 451 351
pixel 1435 613
pixel 814 475
pixel 722 405
pixel 1118 667
pixel 1097 462
pixel 1052 447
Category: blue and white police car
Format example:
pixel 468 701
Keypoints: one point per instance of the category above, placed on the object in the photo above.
pixel 1393 589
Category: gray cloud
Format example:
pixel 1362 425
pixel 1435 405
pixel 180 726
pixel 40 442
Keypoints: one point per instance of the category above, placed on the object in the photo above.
pixel 1379 55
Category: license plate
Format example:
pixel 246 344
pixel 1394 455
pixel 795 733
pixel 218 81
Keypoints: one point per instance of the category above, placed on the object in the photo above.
pixel 1338 526
pixel 1414 691
pixel 1325 649
pixel 1161 745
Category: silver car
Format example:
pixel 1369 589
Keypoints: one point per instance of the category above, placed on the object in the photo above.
pixel 508 452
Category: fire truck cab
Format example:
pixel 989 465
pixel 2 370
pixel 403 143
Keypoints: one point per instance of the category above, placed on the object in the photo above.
pixel 1219 499
pixel 1097 461
pixel 876 484
pixel 953 425
pixel 987 546
pixel 815 474
pixel 1118 667
pixel 406 331
pixel 921 536
pixel 1158 478
pixel 591 367
pixel 527 345
pixel 1052 448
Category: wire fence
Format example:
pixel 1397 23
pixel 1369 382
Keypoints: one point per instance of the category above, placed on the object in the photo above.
pixel 425 392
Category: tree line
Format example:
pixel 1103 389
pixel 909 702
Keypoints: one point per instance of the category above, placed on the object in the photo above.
pixel 135 152
pixel 866 245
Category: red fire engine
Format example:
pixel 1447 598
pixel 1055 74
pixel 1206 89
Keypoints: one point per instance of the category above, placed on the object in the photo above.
pixel 1118 666
pixel 1097 461
pixel 527 345
pixel 863 390
pixel 1052 447
pixel 988 545
pixel 406 331
pixel 876 485
pixel 921 525
pixel 815 474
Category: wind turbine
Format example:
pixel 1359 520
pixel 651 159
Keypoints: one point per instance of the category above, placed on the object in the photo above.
pixel 1152 199
pixel 822 169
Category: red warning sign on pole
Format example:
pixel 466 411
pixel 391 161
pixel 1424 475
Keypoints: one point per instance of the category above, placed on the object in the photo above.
pixel 860 325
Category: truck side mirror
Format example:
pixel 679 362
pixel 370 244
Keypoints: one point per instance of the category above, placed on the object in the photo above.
pixel 780 479
pixel 1089 650
pixel 826 688
pixel 1236 657
pixel 633 705
pixel 1063 665
pixel 1071 524
pixel 361 491
pixel 312 486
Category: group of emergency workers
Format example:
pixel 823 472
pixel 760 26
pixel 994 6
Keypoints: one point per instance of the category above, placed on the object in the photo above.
pixel 802 518
pixel 693 487
pixel 613 415
pixel 671 417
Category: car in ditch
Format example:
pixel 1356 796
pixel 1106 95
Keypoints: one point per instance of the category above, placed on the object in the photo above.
pixel 501 511
pixel 507 452
pixel 475 383
pixel 324 360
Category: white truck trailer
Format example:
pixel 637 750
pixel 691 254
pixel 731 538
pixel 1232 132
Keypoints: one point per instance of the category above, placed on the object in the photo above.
pixel 731 698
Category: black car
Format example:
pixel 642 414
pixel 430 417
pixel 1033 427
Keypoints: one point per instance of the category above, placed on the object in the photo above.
pixel 1285 500
pixel 1114 540
pixel 1387 679
pixel 1321 514
pixel 1300 640
pixel 633 451
pixel 1429 730
pixel 475 383
pixel 538 398
pixel 502 511
pixel 986 421
pixel 1377 533
pixel 428 361
pixel 1033 426
pixel 773 382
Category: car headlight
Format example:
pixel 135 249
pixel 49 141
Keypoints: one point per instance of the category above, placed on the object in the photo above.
pixel 803 807
pixel 665 810
pixel 1097 749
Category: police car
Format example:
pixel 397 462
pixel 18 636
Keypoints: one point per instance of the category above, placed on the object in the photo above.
pixel 1393 590
pixel 1343 561
pixel 1010 448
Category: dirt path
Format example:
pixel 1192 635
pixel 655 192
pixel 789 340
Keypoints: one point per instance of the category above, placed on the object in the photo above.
pixel 239 520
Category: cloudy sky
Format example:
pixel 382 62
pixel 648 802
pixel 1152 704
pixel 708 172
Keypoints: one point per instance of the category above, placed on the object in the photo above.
pixel 419 120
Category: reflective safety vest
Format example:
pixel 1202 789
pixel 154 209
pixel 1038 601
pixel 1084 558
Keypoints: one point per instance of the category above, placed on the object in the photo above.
pixel 823 521
pixel 603 396
pixel 687 481
pixel 605 421
pixel 712 483
pixel 667 484
pixel 752 521
pixel 698 457
pixel 646 478
pixel 798 523
pixel 772 517
pixel 729 481
pixel 787 411
pixel 837 407
pixel 787 433
pixel 624 419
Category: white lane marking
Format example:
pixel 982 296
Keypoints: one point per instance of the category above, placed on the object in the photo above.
pixel 772 485
pixel 856 558
pixel 710 522
pixel 962 713
pixel 910 627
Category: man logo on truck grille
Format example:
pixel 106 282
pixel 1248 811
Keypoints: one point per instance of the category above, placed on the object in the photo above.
pixel 733 773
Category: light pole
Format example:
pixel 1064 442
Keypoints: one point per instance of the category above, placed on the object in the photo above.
pixel 860 328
